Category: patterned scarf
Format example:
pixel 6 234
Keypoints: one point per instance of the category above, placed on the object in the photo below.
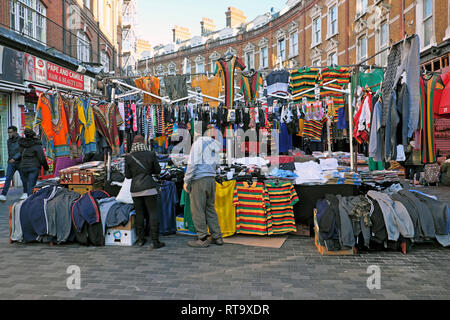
pixel 138 146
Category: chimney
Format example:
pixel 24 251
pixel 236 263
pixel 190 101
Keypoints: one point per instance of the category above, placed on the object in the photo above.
pixel 207 26
pixel 180 34
pixel 234 17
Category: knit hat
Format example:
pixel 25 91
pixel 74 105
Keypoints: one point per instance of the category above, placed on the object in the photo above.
pixel 139 138
pixel 29 133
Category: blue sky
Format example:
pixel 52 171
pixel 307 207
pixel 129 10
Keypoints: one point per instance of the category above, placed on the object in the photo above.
pixel 156 18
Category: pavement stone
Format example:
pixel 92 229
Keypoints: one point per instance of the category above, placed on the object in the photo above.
pixel 296 271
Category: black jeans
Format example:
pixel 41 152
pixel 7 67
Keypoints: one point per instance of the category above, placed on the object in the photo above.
pixel 10 171
pixel 146 209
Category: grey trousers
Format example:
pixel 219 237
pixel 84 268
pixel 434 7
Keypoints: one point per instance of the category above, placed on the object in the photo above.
pixel 204 215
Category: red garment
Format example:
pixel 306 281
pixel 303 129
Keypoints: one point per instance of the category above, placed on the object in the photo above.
pixel 363 135
pixel 280 159
pixel 444 105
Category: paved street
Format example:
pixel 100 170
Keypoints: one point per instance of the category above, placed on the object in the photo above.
pixel 230 272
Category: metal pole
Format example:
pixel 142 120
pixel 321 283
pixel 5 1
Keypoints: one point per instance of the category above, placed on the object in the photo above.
pixel 350 126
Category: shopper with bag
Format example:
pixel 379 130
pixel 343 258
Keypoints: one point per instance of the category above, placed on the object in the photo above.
pixel 140 165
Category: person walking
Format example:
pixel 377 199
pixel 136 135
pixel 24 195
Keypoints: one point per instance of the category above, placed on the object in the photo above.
pixel 140 165
pixel 32 159
pixel 200 184
pixel 13 161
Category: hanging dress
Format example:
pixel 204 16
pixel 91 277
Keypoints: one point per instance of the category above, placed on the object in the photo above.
pixel 250 85
pixel 87 125
pixel 226 67
pixel 107 121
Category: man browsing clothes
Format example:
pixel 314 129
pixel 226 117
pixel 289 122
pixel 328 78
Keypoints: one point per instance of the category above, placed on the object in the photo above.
pixel 200 183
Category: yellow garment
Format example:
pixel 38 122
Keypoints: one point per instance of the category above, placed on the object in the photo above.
pixel 301 126
pixel 160 140
pixel 210 87
pixel 87 125
pixel 150 84
pixel 226 211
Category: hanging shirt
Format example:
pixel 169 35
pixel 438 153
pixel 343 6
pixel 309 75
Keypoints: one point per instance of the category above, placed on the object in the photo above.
pixel 250 86
pixel 226 67
pixel 303 79
pixel 152 85
pixel 276 83
pixel 73 126
pixel 252 209
pixel 226 212
pixel 107 121
pixel 208 86
pixel 87 122
pixel 51 117
pixel 282 197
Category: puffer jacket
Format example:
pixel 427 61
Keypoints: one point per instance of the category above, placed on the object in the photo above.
pixel 32 154
pixel 142 178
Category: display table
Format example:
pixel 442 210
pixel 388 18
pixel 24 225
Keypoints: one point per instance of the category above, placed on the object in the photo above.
pixel 310 194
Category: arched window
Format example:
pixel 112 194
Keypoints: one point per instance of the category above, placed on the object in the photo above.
pixel 83 47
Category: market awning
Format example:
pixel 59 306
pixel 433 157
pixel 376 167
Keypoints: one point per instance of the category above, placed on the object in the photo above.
pixel 12 87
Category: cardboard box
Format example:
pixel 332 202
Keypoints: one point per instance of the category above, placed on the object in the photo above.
pixel 322 249
pixel 117 237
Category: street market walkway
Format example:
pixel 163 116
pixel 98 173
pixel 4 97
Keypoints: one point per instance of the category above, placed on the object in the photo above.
pixel 229 272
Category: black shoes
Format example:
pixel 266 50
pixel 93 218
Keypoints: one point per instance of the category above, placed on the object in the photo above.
pixel 157 244
pixel 141 242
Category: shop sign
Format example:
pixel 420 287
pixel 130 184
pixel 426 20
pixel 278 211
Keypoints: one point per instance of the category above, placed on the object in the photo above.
pixel 41 70
pixel 64 76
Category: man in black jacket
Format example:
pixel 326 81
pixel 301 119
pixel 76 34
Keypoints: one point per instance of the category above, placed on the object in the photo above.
pixel 33 158
pixel 13 160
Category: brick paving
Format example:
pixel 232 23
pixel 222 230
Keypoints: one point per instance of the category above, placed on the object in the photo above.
pixel 296 271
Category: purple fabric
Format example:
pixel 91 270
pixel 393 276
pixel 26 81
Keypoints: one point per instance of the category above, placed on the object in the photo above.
pixel 64 162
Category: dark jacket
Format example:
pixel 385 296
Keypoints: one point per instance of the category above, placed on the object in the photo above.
pixel 141 178
pixel 14 149
pixel 32 154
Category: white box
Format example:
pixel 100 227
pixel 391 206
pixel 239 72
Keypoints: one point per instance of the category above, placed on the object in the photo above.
pixel 116 237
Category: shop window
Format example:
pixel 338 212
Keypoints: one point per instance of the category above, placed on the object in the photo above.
pixel 4 124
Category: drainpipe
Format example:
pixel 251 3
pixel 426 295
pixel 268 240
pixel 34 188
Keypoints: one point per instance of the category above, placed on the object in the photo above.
pixel 64 25
pixel 402 16
pixel 347 31
pixel 304 34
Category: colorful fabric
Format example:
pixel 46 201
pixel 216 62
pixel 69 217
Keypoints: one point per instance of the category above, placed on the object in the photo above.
pixel 304 79
pixel 250 86
pixel 51 117
pixel 226 212
pixel 431 88
pixel 152 85
pixel 185 202
pixel 87 125
pixel 282 197
pixel 73 126
pixel 313 129
pixel 252 209
pixel 208 86
pixel 226 67
pixel 108 120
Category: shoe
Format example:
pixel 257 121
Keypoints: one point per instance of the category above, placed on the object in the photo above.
pixel 141 242
pixel 199 243
pixel 2 198
pixel 218 241
pixel 24 196
pixel 157 244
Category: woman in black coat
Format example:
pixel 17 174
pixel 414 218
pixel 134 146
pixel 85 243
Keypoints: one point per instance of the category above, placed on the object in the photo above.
pixel 140 165
pixel 32 159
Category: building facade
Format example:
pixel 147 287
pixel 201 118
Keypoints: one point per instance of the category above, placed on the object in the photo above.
pixel 317 32
pixel 45 43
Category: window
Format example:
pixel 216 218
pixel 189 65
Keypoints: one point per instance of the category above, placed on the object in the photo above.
pixel 293 44
pixel 383 42
pixel 87 3
pixel 317 31
pixel 200 67
pixel 105 61
pixel 264 57
pixel 282 49
pixel 172 69
pixel 28 17
pixel 361 7
pixel 427 22
pixel 316 63
pixel 83 47
pixel 332 21
pixel 250 60
pixel 212 65
pixel 332 59
pixel 108 16
pixel 188 71
pixel 100 11
pixel 362 48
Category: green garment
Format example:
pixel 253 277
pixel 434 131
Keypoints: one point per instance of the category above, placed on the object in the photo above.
pixel 186 202
pixel 371 79
pixel 375 165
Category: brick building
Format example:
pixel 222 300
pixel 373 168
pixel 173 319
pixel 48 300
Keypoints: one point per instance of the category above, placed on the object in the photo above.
pixel 315 32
